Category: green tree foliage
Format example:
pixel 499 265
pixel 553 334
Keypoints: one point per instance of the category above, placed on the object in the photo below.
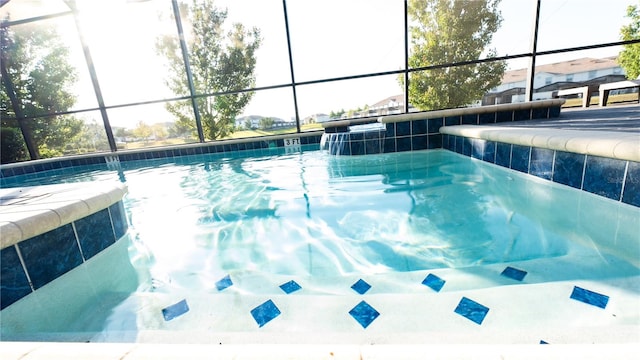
pixel 336 114
pixel 91 138
pixel 448 31
pixel 266 123
pixel 39 78
pixel 159 131
pixel 142 131
pixel 629 58
pixel 221 61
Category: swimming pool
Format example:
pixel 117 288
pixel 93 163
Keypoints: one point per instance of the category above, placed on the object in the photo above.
pixel 427 240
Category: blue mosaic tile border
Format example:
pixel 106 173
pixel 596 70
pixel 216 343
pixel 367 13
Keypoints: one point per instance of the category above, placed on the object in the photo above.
pixel 34 262
pixel 18 172
pixel 418 134
pixel 398 137
pixel 615 179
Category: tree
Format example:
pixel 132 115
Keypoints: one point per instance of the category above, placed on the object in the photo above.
pixel 91 138
pixel 629 57
pixel 450 31
pixel 266 123
pixel 142 131
pixel 121 133
pixel 159 131
pixel 336 114
pixel 221 61
pixel 36 80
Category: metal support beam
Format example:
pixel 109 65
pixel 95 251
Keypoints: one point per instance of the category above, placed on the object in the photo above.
pixel 94 76
pixel 293 78
pixel 187 66
pixel 406 58
pixel 531 71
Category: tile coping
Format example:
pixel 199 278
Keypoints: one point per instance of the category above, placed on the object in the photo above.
pixel 610 144
pixel 26 212
pixel 447 112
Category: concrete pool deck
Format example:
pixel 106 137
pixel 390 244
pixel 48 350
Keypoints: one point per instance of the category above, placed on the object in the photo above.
pixel 624 118
pixel 611 132
pixel 581 124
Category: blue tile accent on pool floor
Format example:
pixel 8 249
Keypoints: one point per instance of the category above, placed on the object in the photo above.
pixel 364 314
pixel 265 312
pixel 361 286
pixel 589 297
pixel 290 286
pixel 224 283
pixel 472 310
pixel 175 310
pixel 513 273
pixel 434 282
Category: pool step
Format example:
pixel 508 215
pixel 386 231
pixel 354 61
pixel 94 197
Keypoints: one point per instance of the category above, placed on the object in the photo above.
pixel 525 313
pixel 483 276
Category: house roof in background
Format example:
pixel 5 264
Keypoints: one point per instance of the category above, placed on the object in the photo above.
pixel 564 67
pixel 384 102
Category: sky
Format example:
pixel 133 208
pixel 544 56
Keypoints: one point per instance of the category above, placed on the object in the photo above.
pixel 329 38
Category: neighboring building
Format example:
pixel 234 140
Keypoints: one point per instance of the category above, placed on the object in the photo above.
pixel 387 106
pixel 315 118
pixel 244 120
pixel 391 105
pixel 552 77
pixel 254 120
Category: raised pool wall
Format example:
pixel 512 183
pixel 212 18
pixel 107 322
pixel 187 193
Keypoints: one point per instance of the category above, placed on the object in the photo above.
pixel 47 231
pixel 601 163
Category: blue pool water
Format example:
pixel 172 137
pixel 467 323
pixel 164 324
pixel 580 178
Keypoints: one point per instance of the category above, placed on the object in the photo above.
pixel 315 216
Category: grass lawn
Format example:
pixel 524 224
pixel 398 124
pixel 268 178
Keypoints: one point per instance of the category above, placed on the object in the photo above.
pixel 253 133
pixel 236 135
pixel 620 98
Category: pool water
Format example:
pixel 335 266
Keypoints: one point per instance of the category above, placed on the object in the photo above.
pixel 319 218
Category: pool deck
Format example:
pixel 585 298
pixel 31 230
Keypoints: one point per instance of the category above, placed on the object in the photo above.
pixel 621 118
pixel 613 131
